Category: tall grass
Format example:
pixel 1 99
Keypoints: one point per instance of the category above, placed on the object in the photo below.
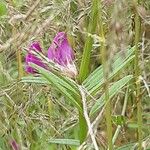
pixel 137 75
pixel 106 106
pixel 85 62
pixel 105 65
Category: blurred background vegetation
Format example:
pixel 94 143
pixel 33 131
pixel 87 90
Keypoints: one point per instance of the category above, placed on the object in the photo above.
pixel 33 114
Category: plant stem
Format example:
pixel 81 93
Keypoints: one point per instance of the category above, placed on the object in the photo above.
pixel 108 116
pixel 20 68
pixel 18 56
pixel 122 113
pixel 106 85
pixel 85 112
pixel 85 62
pixel 137 74
pixel 82 128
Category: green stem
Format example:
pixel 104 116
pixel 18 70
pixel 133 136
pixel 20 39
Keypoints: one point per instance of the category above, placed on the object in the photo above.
pixel 82 128
pixel 123 113
pixel 137 74
pixel 18 56
pixel 108 120
pixel 106 86
pixel 20 68
pixel 85 62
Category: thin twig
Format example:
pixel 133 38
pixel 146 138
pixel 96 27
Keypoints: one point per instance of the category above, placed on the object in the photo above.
pixel 87 118
pixel 122 113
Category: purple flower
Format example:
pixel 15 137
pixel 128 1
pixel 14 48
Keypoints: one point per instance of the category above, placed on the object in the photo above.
pixel 14 145
pixel 31 58
pixel 61 53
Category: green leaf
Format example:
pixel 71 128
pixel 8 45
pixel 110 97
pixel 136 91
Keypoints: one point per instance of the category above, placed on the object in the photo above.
pixel 118 119
pixel 114 89
pixel 32 79
pixel 85 62
pixel 95 80
pixel 3 9
pixel 58 80
pixel 63 86
pixel 65 141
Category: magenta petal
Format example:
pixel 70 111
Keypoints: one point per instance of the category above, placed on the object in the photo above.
pixel 14 145
pixel 35 46
pixel 34 59
pixel 31 58
pixel 60 51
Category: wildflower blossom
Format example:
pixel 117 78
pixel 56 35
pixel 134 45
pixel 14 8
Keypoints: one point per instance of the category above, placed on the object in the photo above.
pixel 60 52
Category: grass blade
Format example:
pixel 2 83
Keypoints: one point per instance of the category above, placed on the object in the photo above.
pixel 95 81
pixel 114 89
pixel 65 141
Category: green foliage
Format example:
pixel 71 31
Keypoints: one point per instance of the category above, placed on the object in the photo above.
pixel 118 120
pixel 65 141
pixel 30 79
pixel 66 88
pixel 114 89
pixel 84 68
pixel 95 80
pixel 3 8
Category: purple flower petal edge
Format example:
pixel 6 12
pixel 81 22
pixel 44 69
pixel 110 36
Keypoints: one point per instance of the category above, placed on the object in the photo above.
pixel 35 46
